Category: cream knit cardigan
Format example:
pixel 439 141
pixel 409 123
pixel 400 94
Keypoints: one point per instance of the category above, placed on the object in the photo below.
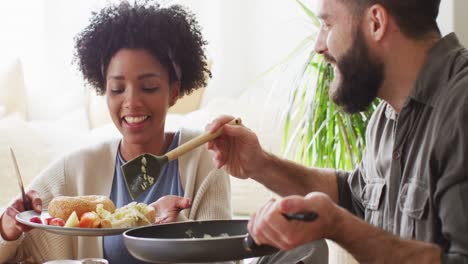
pixel 91 171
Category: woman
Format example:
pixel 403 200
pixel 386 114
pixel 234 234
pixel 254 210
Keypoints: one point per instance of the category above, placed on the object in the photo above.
pixel 142 57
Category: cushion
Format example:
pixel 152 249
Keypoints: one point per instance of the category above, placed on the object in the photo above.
pixel 63 134
pixel 29 151
pixel 2 111
pixel 12 90
pixel 96 109
pixel 188 103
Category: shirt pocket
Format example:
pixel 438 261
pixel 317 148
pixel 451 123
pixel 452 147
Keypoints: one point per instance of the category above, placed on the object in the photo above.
pixel 372 198
pixel 413 203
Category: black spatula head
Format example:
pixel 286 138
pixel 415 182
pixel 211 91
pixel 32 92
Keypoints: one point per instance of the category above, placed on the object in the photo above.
pixel 142 172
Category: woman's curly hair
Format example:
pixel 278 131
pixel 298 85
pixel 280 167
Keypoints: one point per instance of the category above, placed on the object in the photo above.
pixel 171 34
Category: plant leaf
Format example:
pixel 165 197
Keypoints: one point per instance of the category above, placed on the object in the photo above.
pixel 309 14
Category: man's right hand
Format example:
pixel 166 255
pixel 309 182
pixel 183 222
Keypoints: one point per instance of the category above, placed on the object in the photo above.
pixel 237 150
pixel 269 226
pixel 11 229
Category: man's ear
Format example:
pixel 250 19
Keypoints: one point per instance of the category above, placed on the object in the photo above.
pixel 378 21
pixel 174 93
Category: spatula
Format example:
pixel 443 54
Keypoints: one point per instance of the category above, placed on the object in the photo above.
pixel 141 172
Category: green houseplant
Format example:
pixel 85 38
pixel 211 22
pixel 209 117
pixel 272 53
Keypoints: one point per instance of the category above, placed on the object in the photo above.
pixel 316 132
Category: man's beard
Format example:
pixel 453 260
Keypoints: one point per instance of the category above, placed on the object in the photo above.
pixel 361 77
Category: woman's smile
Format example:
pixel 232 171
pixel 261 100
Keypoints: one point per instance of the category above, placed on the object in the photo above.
pixel 135 123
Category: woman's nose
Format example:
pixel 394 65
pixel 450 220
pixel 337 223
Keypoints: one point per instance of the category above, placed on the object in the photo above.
pixel 132 99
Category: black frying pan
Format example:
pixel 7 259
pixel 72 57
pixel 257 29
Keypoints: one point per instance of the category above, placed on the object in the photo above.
pixel 198 241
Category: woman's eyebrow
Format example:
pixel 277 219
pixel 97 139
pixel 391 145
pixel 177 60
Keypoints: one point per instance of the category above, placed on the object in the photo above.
pixel 148 75
pixel 116 77
pixel 140 77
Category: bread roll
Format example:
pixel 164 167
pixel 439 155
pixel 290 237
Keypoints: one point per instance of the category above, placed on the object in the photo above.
pixel 63 206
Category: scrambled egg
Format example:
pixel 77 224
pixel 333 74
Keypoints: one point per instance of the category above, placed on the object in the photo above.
pixel 130 215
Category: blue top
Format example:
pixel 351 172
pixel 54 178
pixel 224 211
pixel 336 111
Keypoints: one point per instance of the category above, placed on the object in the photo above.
pixel 168 183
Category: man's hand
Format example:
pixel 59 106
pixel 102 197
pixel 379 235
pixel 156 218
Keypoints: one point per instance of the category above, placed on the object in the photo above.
pixel 269 226
pixel 366 243
pixel 11 229
pixel 237 149
pixel 168 208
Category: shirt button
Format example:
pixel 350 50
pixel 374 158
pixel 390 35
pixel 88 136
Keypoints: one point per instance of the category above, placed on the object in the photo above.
pixel 396 155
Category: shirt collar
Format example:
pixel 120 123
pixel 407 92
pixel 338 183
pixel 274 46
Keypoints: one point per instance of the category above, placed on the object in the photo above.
pixel 390 113
pixel 434 72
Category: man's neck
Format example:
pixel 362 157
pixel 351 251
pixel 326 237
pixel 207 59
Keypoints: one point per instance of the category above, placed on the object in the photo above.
pixel 402 68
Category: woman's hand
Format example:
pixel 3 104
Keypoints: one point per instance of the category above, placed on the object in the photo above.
pixel 168 208
pixel 11 229
pixel 237 149
pixel 269 226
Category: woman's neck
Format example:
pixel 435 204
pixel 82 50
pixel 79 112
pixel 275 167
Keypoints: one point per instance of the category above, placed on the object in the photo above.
pixel 156 147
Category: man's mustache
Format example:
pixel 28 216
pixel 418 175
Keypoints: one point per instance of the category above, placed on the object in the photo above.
pixel 329 58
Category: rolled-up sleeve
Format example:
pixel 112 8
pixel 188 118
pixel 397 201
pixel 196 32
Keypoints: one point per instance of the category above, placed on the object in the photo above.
pixel 350 185
pixel 344 191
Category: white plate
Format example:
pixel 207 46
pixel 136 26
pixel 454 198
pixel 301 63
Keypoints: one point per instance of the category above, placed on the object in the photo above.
pixel 24 218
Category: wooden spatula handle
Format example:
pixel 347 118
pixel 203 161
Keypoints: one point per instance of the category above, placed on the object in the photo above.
pixel 197 141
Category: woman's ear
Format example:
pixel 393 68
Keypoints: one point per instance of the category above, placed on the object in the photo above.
pixel 174 93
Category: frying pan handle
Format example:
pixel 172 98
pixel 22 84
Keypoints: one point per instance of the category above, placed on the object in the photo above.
pixel 251 246
pixel 249 242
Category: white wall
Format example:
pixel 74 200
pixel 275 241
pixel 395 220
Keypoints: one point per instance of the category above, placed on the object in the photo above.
pixel 246 37
pixel 446 19
pixel 453 18
pixel 461 20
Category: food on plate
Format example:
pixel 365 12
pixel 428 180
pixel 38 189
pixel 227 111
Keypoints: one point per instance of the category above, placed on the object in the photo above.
pixel 57 222
pixel 94 211
pixel 47 220
pixel 73 220
pixel 130 215
pixel 36 219
pixel 63 206
pixel 90 220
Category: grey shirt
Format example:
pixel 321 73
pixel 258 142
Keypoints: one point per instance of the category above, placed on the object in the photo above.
pixel 413 178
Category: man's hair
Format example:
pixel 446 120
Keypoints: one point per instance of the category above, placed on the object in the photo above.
pixel 171 34
pixel 416 18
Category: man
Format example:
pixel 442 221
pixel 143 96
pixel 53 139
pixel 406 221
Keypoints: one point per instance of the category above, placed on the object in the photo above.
pixel 411 187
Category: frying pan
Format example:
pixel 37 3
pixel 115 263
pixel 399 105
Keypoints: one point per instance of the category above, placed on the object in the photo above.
pixel 198 241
